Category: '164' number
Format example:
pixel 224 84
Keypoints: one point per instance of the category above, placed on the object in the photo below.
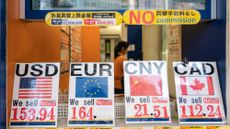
pixel 83 113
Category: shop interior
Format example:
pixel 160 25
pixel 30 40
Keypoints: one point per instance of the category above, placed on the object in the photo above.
pixel 35 41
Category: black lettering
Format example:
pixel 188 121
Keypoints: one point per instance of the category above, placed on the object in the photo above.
pixel 148 69
pixel 130 100
pixel 195 69
pixel 159 67
pixel 180 72
pixel 73 102
pixel 205 69
pixel 36 70
pixel 25 70
pixel 127 68
pixel 17 103
pixel 75 69
pixel 87 70
pixel 182 100
pixel 48 70
pixel 105 68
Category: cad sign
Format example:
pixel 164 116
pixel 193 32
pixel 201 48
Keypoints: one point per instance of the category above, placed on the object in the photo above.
pixel 199 96
pixel 91 94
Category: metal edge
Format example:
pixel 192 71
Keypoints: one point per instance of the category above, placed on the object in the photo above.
pixel 213 9
pixel 228 59
pixel 22 9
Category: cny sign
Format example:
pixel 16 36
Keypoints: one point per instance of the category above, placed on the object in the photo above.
pixel 199 96
pixel 35 95
pixel 146 92
pixel 91 94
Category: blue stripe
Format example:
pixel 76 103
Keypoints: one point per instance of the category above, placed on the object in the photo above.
pixel 147 119
pixel 91 122
pixel 32 123
pixel 208 120
pixel 3 64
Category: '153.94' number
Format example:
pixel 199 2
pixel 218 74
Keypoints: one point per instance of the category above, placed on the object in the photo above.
pixel 30 114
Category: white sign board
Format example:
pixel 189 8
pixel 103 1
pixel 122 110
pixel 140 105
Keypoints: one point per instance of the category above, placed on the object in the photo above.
pixel 146 92
pixel 198 90
pixel 91 94
pixel 35 95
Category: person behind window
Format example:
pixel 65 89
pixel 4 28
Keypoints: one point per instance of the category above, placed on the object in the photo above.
pixel 120 52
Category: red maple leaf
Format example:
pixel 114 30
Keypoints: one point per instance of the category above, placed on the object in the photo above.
pixel 198 86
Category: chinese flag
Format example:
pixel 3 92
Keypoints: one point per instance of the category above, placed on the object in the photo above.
pixel 146 85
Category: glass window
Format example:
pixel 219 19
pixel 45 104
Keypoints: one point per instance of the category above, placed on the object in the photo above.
pixel 116 4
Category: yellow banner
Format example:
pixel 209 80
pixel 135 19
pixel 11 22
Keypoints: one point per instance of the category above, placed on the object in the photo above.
pixel 161 17
pixel 83 18
pixel 193 127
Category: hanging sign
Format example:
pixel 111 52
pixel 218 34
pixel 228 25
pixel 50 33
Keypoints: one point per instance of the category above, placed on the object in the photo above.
pixel 35 95
pixel 91 94
pixel 161 17
pixel 199 96
pixel 83 18
pixel 146 92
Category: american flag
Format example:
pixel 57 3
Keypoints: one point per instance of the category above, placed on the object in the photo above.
pixel 32 87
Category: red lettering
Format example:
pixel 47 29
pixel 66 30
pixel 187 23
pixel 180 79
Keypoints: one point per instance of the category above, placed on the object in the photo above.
pixel 135 18
pixel 148 17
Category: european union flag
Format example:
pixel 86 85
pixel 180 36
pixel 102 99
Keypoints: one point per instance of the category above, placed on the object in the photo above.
pixel 91 87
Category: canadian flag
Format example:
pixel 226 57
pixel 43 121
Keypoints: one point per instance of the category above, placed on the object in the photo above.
pixel 146 85
pixel 196 85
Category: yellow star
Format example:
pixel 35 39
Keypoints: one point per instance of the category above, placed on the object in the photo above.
pixel 136 82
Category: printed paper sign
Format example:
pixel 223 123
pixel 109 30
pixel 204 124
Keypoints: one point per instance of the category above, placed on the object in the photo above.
pixel 146 92
pixel 199 96
pixel 91 94
pixel 35 95
pixel 161 17
pixel 83 18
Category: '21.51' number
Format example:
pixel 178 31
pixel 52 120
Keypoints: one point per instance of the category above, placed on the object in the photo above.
pixel 158 111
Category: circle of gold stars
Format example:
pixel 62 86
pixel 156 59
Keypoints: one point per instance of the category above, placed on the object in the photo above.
pixel 97 85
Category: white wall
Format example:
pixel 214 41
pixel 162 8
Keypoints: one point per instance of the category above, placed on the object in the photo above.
pixel 151 42
pixel 172 52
